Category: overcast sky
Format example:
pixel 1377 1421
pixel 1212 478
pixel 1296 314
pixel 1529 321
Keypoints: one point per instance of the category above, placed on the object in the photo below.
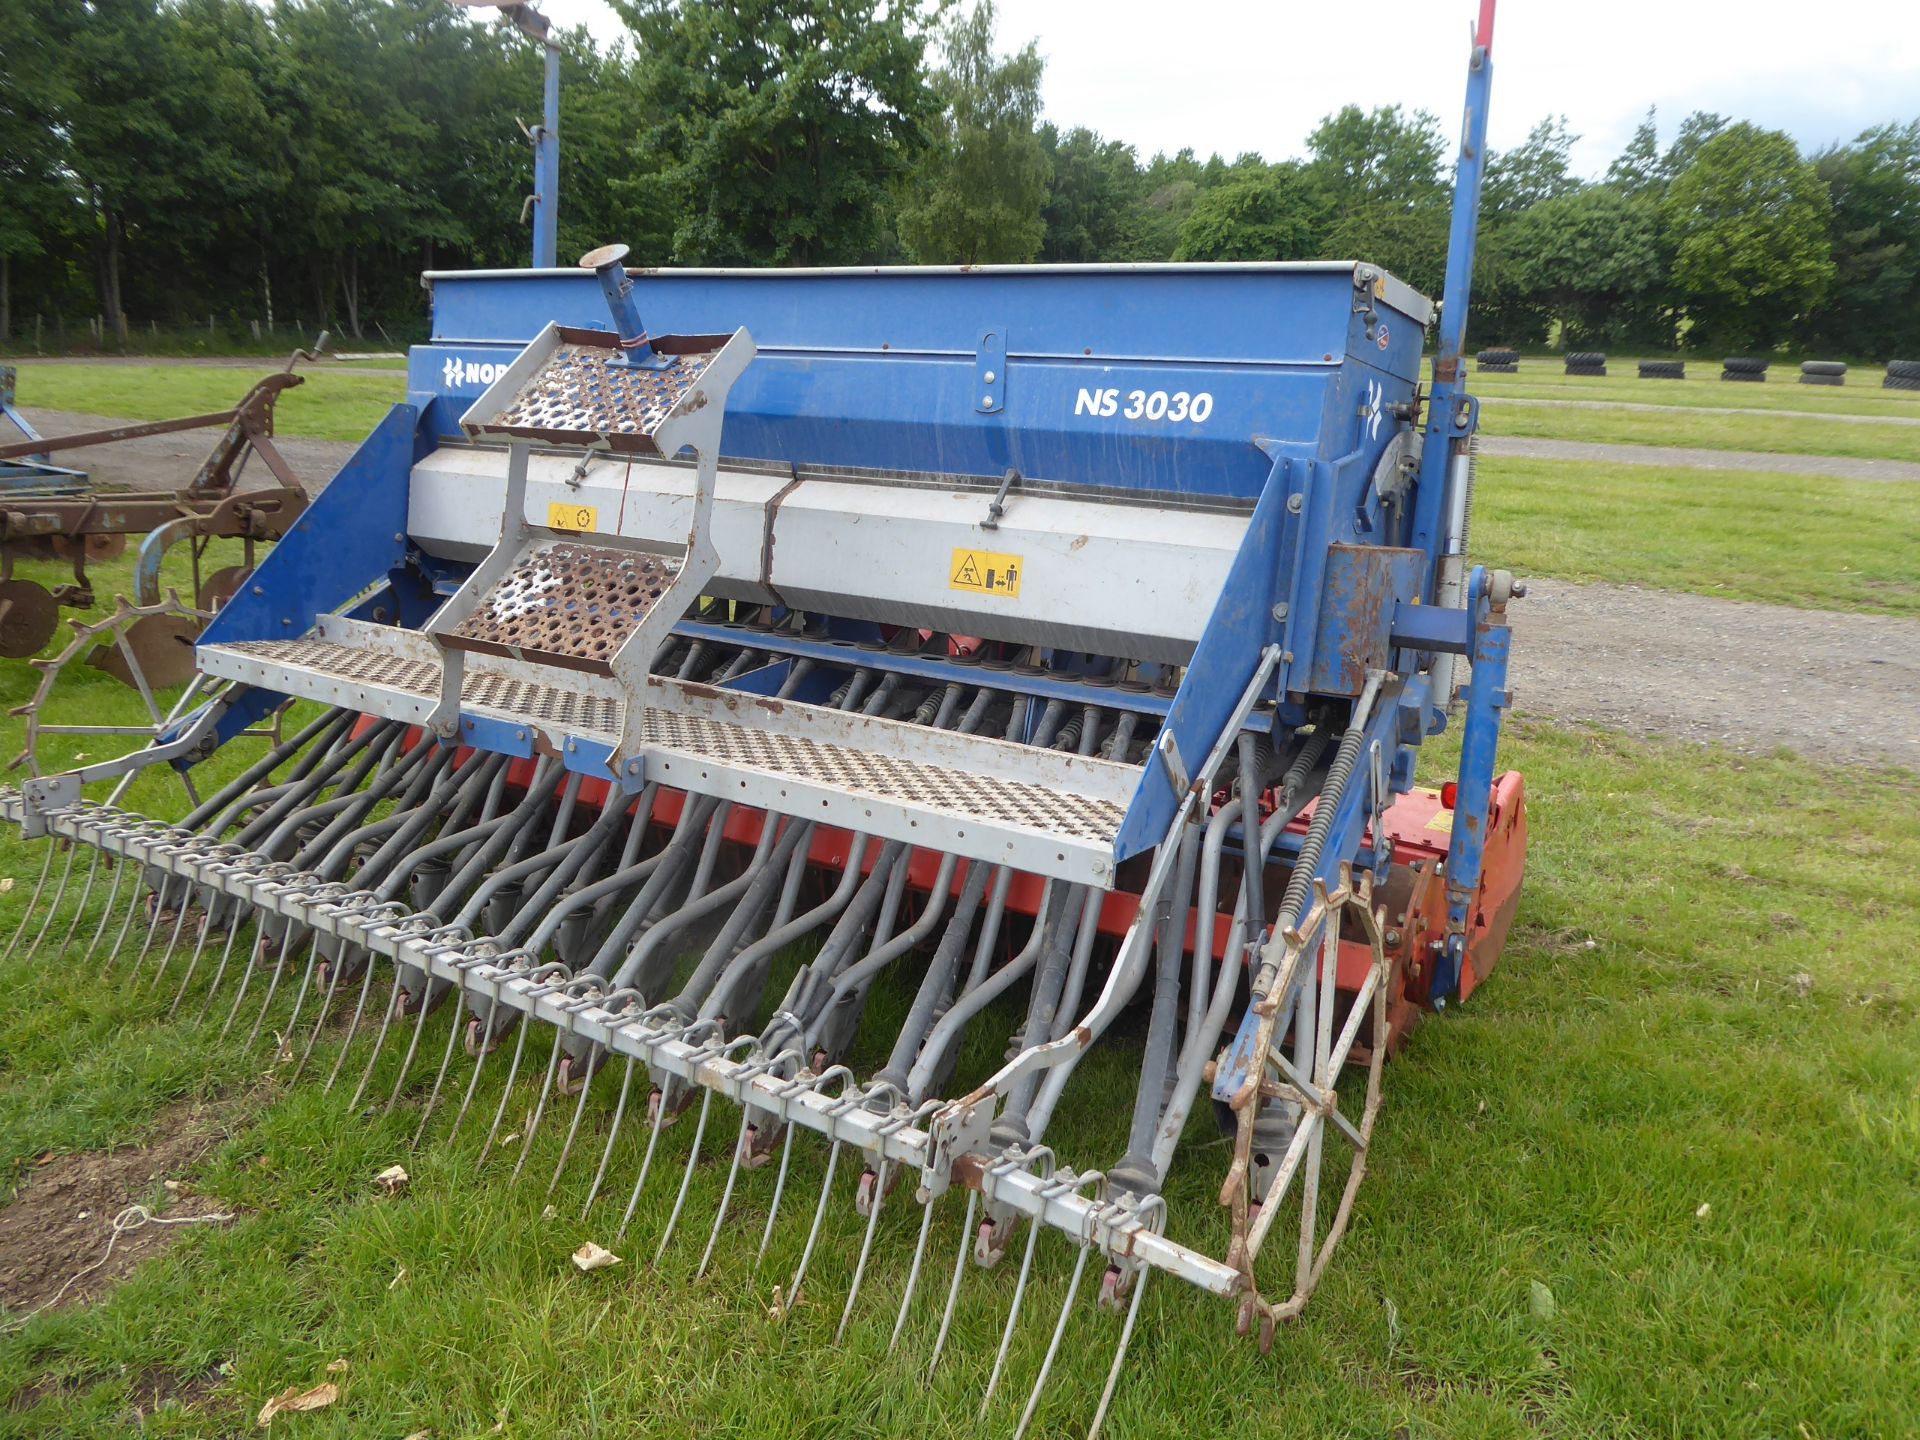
pixel 1235 75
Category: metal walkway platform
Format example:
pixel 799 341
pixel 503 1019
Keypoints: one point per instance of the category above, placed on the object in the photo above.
pixel 1038 810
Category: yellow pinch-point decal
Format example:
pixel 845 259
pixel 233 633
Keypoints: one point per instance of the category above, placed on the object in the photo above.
pixel 986 572
pixel 1443 822
pixel 581 519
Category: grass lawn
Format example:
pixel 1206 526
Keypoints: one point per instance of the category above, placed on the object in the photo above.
pixel 1789 539
pixel 1676 425
pixel 1689 1015
pixel 333 404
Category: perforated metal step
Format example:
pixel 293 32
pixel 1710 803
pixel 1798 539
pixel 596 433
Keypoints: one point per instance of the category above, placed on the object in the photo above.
pixel 1038 810
pixel 567 603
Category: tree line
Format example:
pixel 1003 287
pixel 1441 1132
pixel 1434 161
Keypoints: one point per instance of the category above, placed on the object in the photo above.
pixel 167 160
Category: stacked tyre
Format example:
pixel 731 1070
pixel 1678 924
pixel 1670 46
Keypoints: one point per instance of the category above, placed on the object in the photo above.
pixel 1586 362
pixel 1822 372
pixel 1740 367
pixel 1498 361
pixel 1663 369
pixel 1902 375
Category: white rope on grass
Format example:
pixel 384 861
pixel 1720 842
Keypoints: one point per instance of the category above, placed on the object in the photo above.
pixel 131 1218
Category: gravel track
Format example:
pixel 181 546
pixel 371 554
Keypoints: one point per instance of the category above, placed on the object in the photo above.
pixel 1835 687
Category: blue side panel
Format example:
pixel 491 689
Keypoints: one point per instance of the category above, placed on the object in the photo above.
pixel 350 537
pixel 1242 624
pixel 1146 379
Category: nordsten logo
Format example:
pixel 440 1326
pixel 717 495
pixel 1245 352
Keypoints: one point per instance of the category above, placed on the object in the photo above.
pixel 456 372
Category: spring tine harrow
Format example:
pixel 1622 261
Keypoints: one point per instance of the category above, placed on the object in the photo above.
pixel 456 1027
pixel 1154 1211
pixel 779 1189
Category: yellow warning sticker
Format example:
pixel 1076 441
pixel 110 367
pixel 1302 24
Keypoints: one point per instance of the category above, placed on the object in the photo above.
pixel 578 518
pixel 1443 822
pixel 987 572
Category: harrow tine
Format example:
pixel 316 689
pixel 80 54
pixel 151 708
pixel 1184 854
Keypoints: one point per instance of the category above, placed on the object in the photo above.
pixel 646 1163
pixel 413 1047
pixel 26 916
pixel 319 1020
pixel 439 1079
pixel 246 977
pixel 913 1274
pixel 153 926
pixel 879 1195
pixel 273 988
pixel 86 893
pixel 686 1178
pixel 953 1288
pixel 519 1050
pixel 480 1061
pixel 1057 1187
pixel 779 1188
pixel 446 1058
pixel 813 1232
pixel 300 996
pixel 394 1002
pixel 613 1134
pixel 573 1131
pixel 126 924
pixel 219 973
pixel 120 869
pixel 59 893
pixel 657 1102
pixel 1158 1204
pixel 726 1194
pixel 836 1072
pixel 540 1104
pixel 1053 1347
pixel 866 1250
pixel 353 1027
pixel 739 1153
pixel 193 963
pixel 173 940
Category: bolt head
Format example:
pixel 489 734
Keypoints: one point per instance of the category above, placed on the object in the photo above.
pixel 1281 610
pixel 1295 503
pixel 986 402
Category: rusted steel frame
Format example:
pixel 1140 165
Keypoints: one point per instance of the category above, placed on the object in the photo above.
pixel 233 516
